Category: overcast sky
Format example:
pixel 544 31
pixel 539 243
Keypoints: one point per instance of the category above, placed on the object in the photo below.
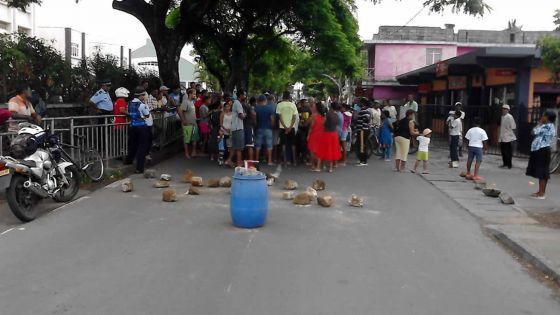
pixel 105 25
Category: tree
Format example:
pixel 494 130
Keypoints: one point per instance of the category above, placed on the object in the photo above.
pixel 513 27
pixel 550 55
pixel 240 32
pixel 557 19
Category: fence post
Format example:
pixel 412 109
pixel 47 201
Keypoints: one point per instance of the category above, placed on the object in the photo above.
pixel 105 126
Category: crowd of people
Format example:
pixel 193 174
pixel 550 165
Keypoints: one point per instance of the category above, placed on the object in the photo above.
pixel 230 129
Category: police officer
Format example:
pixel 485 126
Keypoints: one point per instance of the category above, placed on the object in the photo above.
pixel 140 122
pixel 102 100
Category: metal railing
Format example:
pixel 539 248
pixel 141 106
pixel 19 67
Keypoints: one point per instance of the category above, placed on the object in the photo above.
pixel 102 133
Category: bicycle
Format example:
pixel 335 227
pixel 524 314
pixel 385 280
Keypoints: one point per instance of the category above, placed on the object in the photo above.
pixel 90 161
pixel 554 159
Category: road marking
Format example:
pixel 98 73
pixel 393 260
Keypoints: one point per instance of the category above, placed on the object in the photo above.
pixel 71 203
pixel 8 230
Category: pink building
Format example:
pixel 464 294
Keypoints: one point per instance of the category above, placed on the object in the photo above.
pixel 396 50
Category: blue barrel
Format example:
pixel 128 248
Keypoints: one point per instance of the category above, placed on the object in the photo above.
pixel 249 201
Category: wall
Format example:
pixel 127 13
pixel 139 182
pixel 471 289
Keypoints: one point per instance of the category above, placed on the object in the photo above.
pixel 393 92
pixel 538 75
pixel 396 59
pixel 16 20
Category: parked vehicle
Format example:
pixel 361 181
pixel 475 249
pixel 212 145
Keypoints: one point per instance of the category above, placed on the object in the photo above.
pixel 37 170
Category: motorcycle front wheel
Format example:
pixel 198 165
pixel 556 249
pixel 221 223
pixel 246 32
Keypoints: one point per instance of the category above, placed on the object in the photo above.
pixel 22 201
pixel 67 193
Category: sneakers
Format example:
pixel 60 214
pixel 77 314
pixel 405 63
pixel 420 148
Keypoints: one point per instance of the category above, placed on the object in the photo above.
pixel 362 164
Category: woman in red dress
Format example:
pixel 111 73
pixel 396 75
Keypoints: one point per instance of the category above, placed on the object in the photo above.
pixel 329 150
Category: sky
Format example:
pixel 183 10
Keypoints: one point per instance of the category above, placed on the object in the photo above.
pixel 105 25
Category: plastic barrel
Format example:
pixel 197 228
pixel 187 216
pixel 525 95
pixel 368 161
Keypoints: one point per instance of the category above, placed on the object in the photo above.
pixel 249 201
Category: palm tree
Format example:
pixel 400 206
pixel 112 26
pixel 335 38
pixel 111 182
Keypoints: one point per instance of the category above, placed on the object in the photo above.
pixel 512 26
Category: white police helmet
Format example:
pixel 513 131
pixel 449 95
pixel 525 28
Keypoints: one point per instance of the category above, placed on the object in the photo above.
pixel 122 92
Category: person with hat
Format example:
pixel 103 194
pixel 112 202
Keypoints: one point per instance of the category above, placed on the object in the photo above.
pixel 507 136
pixel 101 100
pixel 140 122
pixel 423 151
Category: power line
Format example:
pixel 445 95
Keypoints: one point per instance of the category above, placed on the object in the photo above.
pixel 408 22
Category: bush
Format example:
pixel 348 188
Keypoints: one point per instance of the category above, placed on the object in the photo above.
pixel 30 60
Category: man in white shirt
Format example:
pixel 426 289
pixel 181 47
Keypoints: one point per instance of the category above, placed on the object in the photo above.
pixel 507 136
pixel 375 114
pixel 455 127
pixel 409 105
pixel 477 138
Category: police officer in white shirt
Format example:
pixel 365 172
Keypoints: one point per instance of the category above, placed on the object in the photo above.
pixel 102 100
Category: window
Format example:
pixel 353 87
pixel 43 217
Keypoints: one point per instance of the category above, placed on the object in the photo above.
pixel 512 38
pixel 75 50
pixel 148 63
pixel 4 26
pixel 433 55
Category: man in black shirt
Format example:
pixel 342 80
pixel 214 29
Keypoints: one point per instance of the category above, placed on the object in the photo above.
pixel 362 126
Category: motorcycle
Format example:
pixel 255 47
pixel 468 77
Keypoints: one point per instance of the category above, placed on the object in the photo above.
pixel 36 170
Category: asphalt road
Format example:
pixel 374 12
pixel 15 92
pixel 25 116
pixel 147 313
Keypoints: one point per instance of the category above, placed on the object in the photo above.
pixel 410 250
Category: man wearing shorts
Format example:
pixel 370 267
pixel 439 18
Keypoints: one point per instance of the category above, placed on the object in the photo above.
pixel 187 114
pixel 265 121
pixel 237 135
pixel 477 138
pixel 288 114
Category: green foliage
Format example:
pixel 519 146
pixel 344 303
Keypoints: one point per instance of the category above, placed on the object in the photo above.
pixel 550 56
pixel 557 19
pixel 22 4
pixel 30 60
pixel 173 19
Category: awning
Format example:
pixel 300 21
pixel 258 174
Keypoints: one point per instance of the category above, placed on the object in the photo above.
pixel 477 60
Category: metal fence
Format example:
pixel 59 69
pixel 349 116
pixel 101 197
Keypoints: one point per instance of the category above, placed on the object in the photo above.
pixel 102 133
pixel 435 116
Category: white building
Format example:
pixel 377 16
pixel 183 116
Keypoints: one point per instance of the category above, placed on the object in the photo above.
pixel 69 42
pixel 145 58
pixel 16 21
pixel 76 46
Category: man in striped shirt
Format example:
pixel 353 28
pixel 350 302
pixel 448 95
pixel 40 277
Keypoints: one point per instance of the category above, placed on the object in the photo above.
pixel 362 126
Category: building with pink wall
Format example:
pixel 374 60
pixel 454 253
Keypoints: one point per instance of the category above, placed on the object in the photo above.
pixel 396 50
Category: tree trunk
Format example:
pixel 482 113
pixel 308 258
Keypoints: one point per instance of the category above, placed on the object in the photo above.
pixel 239 73
pixel 168 54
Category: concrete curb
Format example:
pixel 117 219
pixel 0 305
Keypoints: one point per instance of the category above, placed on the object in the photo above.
pixel 517 246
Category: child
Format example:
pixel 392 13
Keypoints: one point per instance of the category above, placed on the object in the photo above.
pixel 423 150
pixel 386 135
pixel 477 138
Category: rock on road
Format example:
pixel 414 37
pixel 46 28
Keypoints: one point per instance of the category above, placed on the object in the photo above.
pixel 410 250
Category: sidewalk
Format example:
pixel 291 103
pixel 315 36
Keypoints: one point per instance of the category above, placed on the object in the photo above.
pixel 530 228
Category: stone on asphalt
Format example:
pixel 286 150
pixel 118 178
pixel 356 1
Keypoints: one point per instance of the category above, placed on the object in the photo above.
pixel 169 195
pixel 319 185
pixel 303 199
pixel 161 184
pixel 225 182
pixel 150 173
pixel 127 185
pixel 491 192
pixel 213 183
pixel 270 181
pixel 288 195
pixel 165 177
pixel 193 191
pixel 187 176
pixel 480 185
pixel 290 185
pixel 311 192
pixel 325 201
pixel 463 174
pixel 506 198
pixel 356 201
pixel 196 181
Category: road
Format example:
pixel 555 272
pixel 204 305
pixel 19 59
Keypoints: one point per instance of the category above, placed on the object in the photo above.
pixel 410 250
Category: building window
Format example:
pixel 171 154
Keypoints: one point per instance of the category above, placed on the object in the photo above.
pixel 24 30
pixel 148 63
pixel 75 50
pixel 4 26
pixel 512 38
pixel 433 55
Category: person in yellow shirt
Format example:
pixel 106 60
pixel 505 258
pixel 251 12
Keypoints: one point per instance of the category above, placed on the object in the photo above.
pixel 288 113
